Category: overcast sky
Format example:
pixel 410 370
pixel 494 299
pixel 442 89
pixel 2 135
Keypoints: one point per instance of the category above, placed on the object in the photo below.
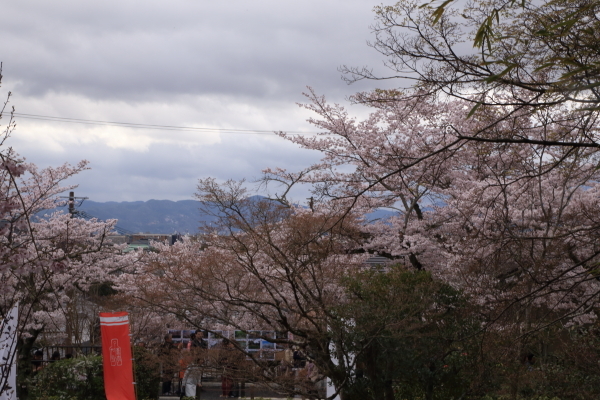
pixel 215 64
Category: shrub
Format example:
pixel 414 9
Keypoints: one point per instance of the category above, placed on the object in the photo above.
pixel 82 378
pixel 70 379
pixel 147 373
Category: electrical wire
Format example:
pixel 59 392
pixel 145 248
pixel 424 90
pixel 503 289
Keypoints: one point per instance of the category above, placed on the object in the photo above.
pixel 118 229
pixel 149 126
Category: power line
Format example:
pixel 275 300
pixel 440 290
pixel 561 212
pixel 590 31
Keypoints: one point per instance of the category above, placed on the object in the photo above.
pixel 118 229
pixel 149 126
pixel 81 213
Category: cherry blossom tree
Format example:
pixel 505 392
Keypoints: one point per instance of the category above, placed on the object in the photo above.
pixel 264 266
pixel 259 266
pixel 510 223
pixel 511 226
pixel 47 263
pixel 508 132
pixel 503 54
pixel 489 164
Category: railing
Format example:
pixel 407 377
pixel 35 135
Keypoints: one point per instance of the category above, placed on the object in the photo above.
pixel 52 353
pixel 210 372
pixel 73 350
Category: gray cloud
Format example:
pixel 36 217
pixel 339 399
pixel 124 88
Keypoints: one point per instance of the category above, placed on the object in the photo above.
pixel 170 170
pixel 234 64
pixel 121 49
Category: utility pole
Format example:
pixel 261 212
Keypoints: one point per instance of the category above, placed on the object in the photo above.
pixel 71 202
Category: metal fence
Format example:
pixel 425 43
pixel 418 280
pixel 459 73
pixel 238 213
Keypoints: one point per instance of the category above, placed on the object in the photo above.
pixel 42 357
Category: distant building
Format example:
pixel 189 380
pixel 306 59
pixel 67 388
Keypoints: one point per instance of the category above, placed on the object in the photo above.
pixel 142 240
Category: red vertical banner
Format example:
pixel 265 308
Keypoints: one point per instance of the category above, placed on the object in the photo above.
pixel 116 356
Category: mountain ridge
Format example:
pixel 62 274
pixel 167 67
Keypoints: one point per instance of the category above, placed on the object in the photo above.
pixel 151 216
pixel 161 216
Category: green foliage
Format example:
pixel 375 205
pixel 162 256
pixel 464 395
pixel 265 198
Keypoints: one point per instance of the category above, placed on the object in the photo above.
pixel 147 373
pixel 571 370
pixel 412 336
pixel 70 379
pixel 82 378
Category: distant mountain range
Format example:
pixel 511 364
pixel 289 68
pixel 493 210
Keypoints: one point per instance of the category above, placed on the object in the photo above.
pixel 160 216
pixel 152 216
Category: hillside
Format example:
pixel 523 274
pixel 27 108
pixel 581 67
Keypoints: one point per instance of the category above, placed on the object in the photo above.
pixel 161 216
pixel 152 216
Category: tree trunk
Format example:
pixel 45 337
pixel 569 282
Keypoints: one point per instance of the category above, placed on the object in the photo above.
pixel 24 369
